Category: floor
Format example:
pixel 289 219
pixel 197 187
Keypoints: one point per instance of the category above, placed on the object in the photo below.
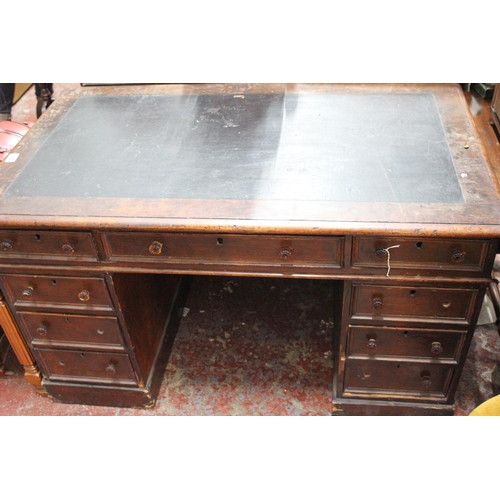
pixel 254 346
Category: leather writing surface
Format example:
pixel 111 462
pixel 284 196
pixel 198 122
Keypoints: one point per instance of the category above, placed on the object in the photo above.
pixel 388 147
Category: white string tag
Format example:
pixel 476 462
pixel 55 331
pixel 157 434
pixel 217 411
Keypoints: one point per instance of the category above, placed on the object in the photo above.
pixel 386 250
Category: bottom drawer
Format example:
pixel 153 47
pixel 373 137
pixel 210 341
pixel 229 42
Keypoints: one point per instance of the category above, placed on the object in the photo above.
pixel 392 378
pixel 111 368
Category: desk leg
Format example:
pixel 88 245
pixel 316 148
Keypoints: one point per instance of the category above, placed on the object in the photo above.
pixel 20 349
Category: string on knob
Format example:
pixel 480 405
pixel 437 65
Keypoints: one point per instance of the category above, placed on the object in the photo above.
pixel 386 250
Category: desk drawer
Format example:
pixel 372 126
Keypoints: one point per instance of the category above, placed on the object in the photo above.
pixel 418 303
pixel 40 245
pixel 397 378
pixel 111 368
pixel 420 254
pixel 70 329
pixel 225 248
pixel 58 292
pixel 370 341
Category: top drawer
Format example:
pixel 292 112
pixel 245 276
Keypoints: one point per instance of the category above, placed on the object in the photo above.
pixel 58 292
pixel 237 249
pixel 412 255
pixel 40 245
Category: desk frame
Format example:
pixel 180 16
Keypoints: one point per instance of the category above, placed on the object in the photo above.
pixel 296 228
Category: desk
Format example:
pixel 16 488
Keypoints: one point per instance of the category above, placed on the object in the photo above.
pixel 117 193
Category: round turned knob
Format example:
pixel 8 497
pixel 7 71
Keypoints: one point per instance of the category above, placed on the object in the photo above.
pixel 285 253
pixel 111 369
pixel 84 295
pixel 426 381
pixel 42 330
pixel 28 292
pixel 7 245
pixel 446 304
pixel 372 344
pixel 380 252
pixel 155 248
pixel 436 348
pixel 458 256
pixel 377 302
pixel 68 248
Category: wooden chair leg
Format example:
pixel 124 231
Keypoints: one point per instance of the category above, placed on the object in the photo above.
pixel 44 100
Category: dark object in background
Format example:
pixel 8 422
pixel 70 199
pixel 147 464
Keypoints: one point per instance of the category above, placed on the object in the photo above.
pixel 3 351
pixel 4 346
pixel 495 109
pixel 6 100
pixel 43 92
pixel 485 90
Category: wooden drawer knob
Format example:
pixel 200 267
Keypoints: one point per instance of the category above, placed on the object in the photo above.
pixel 28 292
pixel 436 348
pixel 372 344
pixel 155 248
pixel 378 303
pixel 285 253
pixel 68 248
pixel 458 256
pixel 7 245
pixel 42 330
pixel 426 381
pixel 111 369
pixel 84 295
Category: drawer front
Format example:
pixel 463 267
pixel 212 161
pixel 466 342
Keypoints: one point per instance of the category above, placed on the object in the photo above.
pixel 58 292
pixel 37 245
pixel 397 378
pixel 225 248
pixel 375 302
pixel 71 329
pixel 370 341
pixel 420 254
pixel 108 368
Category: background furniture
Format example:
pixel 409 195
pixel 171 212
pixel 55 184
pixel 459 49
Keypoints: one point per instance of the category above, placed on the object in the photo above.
pixel 495 108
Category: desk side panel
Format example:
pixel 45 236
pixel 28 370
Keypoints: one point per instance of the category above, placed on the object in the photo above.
pixel 146 302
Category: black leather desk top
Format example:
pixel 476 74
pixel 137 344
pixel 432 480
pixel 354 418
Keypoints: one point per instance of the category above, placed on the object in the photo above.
pixel 335 147
pixel 257 158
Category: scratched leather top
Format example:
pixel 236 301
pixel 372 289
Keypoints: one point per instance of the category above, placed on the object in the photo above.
pixel 338 147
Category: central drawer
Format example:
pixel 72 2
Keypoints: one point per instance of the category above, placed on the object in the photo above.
pixel 58 292
pixel 225 248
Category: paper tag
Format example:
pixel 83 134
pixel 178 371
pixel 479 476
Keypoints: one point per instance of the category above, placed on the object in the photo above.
pixel 11 158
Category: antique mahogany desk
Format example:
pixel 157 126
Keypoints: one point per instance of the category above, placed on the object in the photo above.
pixel 116 193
